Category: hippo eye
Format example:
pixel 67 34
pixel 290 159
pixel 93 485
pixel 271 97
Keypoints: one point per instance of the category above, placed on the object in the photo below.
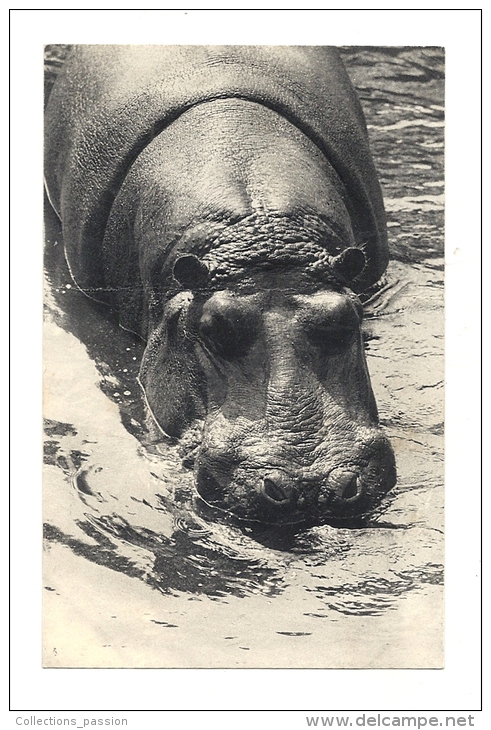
pixel 331 339
pixel 228 337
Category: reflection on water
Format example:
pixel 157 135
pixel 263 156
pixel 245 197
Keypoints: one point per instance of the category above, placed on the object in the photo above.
pixel 120 504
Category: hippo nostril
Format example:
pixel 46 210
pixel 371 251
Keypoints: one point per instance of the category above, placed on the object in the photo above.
pixel 347 485
pixel 274 492
pixel 351 488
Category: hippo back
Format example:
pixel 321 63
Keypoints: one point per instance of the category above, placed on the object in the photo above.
pixel 110 102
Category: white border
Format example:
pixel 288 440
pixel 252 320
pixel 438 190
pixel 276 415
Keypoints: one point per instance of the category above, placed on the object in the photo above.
pixel 320 691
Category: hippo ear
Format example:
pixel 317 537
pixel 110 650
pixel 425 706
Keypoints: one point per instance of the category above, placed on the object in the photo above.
pixel 170 376
pixel 190 272
pixel 349 264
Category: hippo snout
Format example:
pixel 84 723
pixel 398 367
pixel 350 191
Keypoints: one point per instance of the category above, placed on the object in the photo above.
pixel 284 495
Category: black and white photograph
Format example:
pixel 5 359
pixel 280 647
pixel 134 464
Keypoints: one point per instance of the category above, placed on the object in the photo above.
pixel 244 354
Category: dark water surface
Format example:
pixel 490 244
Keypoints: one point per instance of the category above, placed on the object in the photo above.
pixel 136 575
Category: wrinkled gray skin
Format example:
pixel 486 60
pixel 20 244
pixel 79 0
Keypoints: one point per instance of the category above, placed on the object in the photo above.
pixel 234 238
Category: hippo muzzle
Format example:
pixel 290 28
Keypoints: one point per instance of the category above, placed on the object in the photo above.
pixel 343 495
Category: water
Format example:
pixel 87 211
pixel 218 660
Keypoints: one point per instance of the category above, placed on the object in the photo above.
pixel 136 575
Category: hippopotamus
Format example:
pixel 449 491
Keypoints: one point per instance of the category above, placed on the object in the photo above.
pixel 224 202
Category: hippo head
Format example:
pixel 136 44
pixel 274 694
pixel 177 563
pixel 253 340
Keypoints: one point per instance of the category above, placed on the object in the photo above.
pixel 275 368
